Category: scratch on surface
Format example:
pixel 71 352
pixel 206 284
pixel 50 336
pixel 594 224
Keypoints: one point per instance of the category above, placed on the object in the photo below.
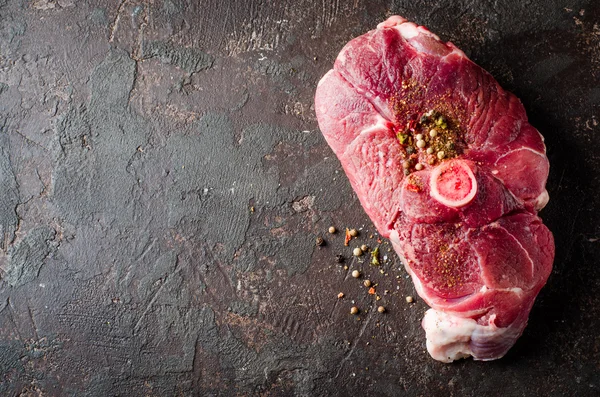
pixel 221 270
pixel 83 317
pixel 4 305
pixel 155 297
pixel 357 338
pixel 208 287
pixel 146 250
pixel 225 21
pixel 329 12
pixel 16 168
pixel 561 178
pixel 12 311
pixel 575 218
pixel 35 328
pixel 573 237
pixel 115 24
pixel 29 140
pixel 348 271
pixel 350 268
pixel 333 308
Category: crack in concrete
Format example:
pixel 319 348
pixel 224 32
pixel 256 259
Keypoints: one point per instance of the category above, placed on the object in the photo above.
pixel 115 23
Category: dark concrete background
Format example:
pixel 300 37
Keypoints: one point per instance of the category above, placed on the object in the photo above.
pixel 163 180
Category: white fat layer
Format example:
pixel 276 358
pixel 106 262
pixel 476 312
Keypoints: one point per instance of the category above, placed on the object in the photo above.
pixel 380 125
pixel 521 148
pixel 424 30
pixel 448 336
pixel 395 239
pixel 524 250
pixel 408 30
pixel 325 77
pixel 391 22
pixel 542 200
pixel 516 290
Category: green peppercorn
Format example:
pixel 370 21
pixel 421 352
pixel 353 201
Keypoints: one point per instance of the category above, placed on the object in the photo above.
pixel 403 138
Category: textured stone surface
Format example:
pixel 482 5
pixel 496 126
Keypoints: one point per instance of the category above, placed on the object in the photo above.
pixel 163 181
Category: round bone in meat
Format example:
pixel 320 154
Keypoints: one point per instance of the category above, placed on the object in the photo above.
pixel 453 184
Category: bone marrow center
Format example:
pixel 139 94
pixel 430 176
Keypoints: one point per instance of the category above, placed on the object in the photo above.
pixel 453 183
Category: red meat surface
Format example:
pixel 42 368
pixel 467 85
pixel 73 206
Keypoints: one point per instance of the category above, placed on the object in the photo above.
pixel 460 207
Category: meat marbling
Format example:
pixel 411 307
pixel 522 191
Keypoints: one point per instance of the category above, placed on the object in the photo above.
pixel 464 222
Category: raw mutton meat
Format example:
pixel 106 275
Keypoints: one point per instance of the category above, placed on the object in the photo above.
pixel 447 167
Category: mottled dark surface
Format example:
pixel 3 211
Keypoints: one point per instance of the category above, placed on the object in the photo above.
pixel 163 180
